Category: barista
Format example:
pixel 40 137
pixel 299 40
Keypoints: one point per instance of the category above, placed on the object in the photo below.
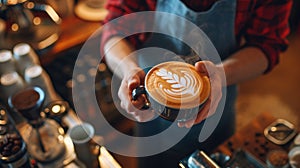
pixel 262 24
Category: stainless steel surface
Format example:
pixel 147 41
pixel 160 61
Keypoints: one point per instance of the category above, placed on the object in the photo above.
pixel 6 62
pixel 199 159
pixel 280 132
pixel 44 7
pixel 22 25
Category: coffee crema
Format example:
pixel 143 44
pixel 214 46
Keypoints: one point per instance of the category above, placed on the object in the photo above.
pixel 25 99
pixel 177 85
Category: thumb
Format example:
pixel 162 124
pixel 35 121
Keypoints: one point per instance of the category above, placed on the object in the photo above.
pixel 204 66
pixel 201 67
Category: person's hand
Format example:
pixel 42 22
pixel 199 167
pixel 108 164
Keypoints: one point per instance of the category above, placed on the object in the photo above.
pixel 130 81
pixel 211 104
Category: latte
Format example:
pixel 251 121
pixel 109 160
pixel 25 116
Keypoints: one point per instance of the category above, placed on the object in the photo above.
pixel 177 85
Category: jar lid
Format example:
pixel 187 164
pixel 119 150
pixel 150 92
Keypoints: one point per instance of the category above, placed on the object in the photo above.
pixel 21 49
pixel 33 71
pixel 9 78
pixel 5 55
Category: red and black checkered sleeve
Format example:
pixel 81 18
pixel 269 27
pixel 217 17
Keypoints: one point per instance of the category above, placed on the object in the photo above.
pixel 268 29
pixel 116 27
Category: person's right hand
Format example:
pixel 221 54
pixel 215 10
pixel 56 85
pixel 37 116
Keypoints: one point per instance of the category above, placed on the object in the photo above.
pixel 131 80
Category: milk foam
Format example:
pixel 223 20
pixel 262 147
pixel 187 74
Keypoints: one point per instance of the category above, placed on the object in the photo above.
pixel 177 85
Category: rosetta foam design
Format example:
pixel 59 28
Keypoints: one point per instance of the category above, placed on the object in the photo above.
pixel 177 85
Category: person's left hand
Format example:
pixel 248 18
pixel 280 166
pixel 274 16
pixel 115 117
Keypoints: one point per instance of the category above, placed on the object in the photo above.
pixel 212 102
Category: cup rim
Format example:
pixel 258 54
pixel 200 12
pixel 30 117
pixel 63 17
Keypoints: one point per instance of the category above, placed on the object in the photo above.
pixel 205 81
pixel 295 150
pixel 87 128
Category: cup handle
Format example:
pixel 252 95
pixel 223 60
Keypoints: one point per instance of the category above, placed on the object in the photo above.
pixel 140 90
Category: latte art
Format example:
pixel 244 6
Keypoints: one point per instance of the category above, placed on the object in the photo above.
pixel 181 83
pixel 177 85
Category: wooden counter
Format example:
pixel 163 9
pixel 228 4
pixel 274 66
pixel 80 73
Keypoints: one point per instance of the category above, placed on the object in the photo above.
pixel 74 32
pixel 251 138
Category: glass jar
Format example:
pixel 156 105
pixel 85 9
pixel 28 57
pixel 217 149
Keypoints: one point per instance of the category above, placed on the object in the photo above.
pixel 13 151
pixel 45 141
pixel 25 57
pixel 43 136
pixel 6 62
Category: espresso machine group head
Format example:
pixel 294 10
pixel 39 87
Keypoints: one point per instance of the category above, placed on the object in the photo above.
pixel 27 21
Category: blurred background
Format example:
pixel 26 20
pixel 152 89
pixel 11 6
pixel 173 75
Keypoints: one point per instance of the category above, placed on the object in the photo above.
pixel 277 92
pixel 57 29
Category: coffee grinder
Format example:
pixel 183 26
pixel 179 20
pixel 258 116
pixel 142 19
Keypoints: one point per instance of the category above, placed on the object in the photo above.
pixel 44 138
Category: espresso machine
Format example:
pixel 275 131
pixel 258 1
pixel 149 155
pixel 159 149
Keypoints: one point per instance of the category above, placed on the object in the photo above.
pixel 27 21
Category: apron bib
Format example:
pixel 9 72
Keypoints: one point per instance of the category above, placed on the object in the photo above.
pixel 218 24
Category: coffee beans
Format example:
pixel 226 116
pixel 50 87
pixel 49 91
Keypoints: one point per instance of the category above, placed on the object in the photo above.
pixel 277 158
pixel 10 144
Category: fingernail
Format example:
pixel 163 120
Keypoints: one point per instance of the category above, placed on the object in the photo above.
pixel 180 125
pixel 188 125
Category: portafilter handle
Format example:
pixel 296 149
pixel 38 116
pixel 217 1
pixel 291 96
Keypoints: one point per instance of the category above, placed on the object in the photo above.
pixel 28 102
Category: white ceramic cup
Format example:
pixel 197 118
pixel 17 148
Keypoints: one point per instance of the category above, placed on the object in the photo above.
pixel 81 136
pixel 294 157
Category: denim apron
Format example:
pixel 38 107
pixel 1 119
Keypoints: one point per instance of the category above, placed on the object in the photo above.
pixel 218 24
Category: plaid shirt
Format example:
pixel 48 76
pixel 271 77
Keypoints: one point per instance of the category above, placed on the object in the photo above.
pixel 262 23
